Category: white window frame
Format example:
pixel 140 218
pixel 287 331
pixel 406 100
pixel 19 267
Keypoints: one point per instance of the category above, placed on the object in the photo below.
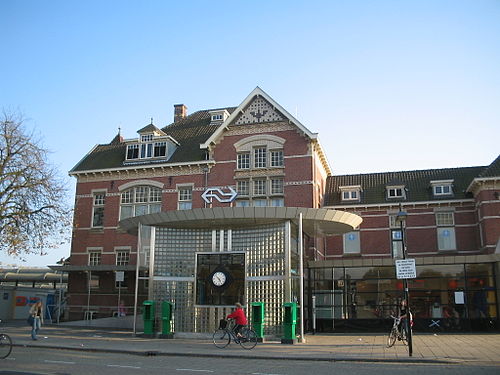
pixel 243 187
pixel 260 157
pixel 94 256
pixel 395 189
pixel 445 231
pixel 350 193
pixel 243 160
pixel 259 187
pixel 277 186
pixel 98 204
pixel 137 197
pixel 277 158
pixel 122 256
pixel 184 197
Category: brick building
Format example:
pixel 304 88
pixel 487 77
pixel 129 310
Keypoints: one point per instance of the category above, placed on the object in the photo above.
pixel 452 230
pixel 230 190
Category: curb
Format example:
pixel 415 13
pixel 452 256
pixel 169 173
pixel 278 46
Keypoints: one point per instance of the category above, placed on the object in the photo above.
pixel 150 353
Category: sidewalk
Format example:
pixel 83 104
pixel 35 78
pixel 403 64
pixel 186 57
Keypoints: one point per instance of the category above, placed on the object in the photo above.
pixel 427 348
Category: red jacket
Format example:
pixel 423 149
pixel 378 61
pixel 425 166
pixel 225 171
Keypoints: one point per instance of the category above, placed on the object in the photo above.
pixel 239 316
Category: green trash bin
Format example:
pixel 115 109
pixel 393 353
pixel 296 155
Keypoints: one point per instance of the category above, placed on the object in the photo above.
pixel 148 315
pixel 166 318
pixel 289 323
pixel 258 315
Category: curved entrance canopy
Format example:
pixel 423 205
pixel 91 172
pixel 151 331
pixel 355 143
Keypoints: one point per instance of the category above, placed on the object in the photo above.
pixel 315 221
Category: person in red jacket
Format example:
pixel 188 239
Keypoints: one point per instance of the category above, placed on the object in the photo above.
pixel 239 317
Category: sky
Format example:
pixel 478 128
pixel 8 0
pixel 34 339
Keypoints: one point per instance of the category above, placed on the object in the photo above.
pixel 388 85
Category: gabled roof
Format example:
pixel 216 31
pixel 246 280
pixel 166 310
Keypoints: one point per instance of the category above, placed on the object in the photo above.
pixel 417 185
pixel 257 92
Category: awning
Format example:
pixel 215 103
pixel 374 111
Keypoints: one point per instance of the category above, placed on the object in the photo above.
pixel 316 221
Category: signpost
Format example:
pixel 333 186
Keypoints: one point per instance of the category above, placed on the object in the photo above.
pixel 119 278
pixel 406 269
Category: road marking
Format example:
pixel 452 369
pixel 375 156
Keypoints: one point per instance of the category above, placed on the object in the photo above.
pixel 191 369
pixel 63 362
pixel 121 366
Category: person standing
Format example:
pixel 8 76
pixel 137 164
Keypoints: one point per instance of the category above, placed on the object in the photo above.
pixel 36 312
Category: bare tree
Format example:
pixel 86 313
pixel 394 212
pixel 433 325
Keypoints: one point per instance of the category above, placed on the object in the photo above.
pixel 34 213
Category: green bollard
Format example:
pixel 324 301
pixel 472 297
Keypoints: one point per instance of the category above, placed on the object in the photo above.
pixel 289 323
pixel 258 320
pixel 148 315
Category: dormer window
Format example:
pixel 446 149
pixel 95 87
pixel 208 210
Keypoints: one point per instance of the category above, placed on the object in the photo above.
pixel 218 115
pixel 152 143
pixel 396 192
pixel 442 188
pixel 350 193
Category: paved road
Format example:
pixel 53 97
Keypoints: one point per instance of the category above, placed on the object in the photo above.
pixel 428 348
pixel 28 360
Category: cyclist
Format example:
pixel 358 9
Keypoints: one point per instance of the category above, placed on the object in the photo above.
pixel 239 317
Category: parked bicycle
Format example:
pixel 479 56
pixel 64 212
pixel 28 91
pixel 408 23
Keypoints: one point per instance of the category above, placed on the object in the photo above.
pixel 398 332
pixel 224 334
pixel 5 345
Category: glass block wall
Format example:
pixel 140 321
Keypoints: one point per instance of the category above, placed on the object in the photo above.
pixel 267 272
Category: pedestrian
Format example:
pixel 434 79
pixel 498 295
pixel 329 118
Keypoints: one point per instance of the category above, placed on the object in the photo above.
pixel 239 317
pixel 122 311
pixel 36 311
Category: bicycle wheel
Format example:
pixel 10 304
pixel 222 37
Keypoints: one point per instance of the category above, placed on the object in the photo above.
pixel 5 346
pixel 249 339
pixel 221 338
pixel 391 339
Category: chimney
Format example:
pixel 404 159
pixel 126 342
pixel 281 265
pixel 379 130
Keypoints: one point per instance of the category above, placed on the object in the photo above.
pixel 180 112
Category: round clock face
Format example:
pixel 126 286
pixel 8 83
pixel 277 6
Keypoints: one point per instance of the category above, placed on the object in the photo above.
pixel 219 278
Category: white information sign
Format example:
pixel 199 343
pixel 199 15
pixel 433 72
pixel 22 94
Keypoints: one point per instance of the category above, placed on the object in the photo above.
pixel 120 276
pixel 406 269
pixel 459 298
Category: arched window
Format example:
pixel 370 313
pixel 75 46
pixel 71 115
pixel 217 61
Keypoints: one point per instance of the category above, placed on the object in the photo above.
pixel 140 200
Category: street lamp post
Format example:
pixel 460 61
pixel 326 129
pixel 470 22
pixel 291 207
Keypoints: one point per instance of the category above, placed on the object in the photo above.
pixel 401 219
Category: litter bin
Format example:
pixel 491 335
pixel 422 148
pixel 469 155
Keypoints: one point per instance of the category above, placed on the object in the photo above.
pixel 289 323
pixel 166 318
pixel 148 315
pixel 258 314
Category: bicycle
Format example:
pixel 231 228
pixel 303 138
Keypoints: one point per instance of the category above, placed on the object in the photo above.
pixel 5 345
pixel 396 333
pixel 224 334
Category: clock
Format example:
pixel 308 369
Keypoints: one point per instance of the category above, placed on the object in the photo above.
pixel 219 278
